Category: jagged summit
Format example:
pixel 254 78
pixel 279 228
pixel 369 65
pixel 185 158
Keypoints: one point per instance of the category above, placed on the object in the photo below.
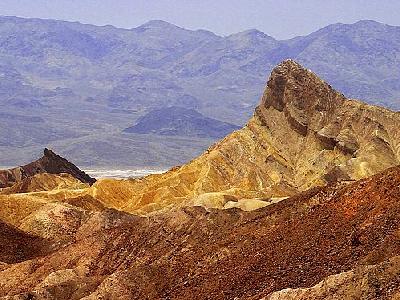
pixel 290 84
pixel 303 134
pixel 158 25
pixel 251 33
pixel 49 163
pixel 301 95
pixel 55 237
pixel 49 153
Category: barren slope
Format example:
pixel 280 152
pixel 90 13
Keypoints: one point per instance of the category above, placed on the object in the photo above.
pixel 223 254
pixel 380 281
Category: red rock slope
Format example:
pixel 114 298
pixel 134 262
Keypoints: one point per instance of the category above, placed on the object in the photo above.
pixel 223 254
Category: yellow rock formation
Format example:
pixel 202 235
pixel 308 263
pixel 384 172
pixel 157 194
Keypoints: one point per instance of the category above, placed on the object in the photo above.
pixel 303 134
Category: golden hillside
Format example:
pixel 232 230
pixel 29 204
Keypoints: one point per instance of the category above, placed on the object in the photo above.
pixel 303 134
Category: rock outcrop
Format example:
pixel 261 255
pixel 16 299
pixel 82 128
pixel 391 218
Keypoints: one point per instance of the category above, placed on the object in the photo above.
pixel 303 134
pixel 50 163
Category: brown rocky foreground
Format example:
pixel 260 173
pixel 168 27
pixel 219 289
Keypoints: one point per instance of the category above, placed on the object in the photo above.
pixel 192 253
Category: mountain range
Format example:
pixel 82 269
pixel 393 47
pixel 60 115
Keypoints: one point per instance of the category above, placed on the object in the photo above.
pixel 180 121
pixel 77 87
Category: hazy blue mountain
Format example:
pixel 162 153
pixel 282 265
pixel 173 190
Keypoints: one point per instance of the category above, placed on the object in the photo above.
pixel 361 60
pixel 72 86
pixel 180 121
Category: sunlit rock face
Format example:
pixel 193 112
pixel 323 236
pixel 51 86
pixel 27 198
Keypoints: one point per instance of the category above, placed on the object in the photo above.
pixel 303 134
pixel 46 198
pixel 43 182
pixel 321 135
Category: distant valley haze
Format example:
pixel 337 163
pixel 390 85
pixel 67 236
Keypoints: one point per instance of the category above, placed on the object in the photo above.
pixel 152 94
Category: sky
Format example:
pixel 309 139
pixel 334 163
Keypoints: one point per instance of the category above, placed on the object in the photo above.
pixel 281 19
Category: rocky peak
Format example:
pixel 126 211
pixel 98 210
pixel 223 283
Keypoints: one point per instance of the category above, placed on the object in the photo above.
pixel 301 95
pixel 158 25
pixel 55 164
pixel 50 163
pixel 49 153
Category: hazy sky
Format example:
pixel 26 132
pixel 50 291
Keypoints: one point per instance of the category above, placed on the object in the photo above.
pixel 279 18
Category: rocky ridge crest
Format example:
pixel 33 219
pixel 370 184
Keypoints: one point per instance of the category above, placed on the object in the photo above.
pixel 49 163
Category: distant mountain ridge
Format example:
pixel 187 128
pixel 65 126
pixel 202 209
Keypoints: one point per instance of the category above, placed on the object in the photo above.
pixel 73 86
pixel 180 121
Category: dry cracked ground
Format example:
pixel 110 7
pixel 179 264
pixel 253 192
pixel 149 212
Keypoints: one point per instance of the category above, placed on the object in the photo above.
pixel 302 203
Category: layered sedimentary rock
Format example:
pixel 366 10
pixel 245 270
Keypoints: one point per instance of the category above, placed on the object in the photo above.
pixel 50 163
pixel 303 134
pixel 40 198
pixel 192 253
pixel 47 205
